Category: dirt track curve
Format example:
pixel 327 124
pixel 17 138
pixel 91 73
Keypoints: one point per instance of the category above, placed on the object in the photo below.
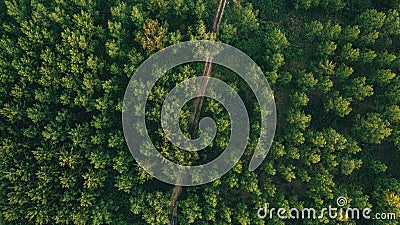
pixel 196 110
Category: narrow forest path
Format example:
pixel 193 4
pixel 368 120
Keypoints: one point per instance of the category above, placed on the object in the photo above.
pixel 196 110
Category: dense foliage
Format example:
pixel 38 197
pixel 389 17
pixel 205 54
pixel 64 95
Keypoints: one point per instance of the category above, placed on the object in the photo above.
pixel 64 67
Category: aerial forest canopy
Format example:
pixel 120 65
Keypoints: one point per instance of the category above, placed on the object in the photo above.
pixel 64 66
